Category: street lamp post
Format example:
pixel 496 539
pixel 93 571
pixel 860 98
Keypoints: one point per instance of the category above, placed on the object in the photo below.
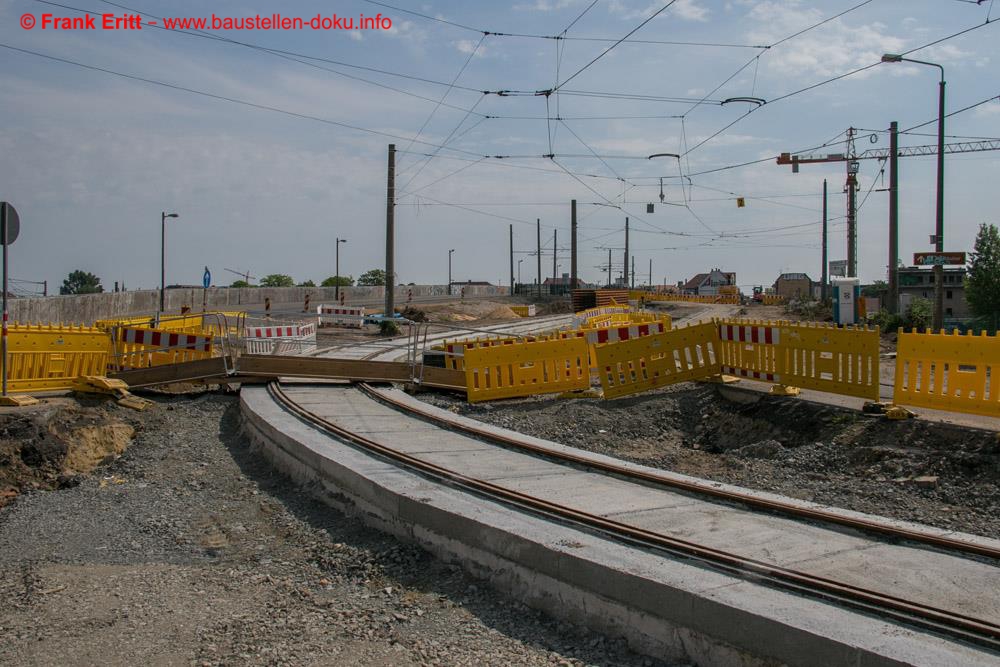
pixel 939 218
pixel 449 270
pixel 163 254
pixel 336 277
pixel 519 270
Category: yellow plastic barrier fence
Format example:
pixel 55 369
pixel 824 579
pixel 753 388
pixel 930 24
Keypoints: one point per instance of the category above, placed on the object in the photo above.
pixel 650 297
pixel 948 372
pixel 580 318
pixel 773 300
pixel 192 323
pixel 612 334
pixel 133 348
pixel 526 369
pixel 641 364
pixel 455 350
pixel 524 311
pixel 47 358
pixel 803 354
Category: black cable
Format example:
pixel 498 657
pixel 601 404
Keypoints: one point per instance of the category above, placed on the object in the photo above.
pixel 233 100
pixel 607 50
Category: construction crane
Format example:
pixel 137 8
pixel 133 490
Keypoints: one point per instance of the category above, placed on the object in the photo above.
pixel 853 165
pixel 245 275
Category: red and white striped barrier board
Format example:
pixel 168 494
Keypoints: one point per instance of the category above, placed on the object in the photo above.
pixel 166 340
pixel 293 331
pixel 344 316
pixel 750 334
pixel 616 334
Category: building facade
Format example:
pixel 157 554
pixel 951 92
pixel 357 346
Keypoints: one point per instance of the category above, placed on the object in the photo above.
pixel 917 281
pixel 793 286
pixel 708 284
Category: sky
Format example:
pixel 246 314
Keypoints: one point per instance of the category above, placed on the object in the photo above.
pixel 270 144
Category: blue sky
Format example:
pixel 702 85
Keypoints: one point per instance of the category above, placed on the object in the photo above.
pixel 91 159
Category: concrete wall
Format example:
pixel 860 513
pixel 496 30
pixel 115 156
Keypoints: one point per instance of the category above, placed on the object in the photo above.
pixel 86 308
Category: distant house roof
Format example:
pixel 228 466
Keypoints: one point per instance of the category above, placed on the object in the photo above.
pixel 701 278
pixel 696 282
pixel 794 276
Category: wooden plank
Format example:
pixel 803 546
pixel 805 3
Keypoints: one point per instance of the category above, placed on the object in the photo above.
pixel 202 369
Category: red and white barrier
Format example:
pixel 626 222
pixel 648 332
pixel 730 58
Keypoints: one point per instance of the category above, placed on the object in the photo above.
pixel 293 331
pixel 293 338
pixel 166 340
pixel 750 334
pixel 342 316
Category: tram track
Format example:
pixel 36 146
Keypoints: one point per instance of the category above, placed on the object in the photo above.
pixel 911 612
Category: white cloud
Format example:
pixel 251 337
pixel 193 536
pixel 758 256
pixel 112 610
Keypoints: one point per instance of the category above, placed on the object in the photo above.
pixel 688 10
pixel 829 50
pixel 468 46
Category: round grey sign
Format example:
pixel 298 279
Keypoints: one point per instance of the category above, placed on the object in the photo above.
pixel 11 224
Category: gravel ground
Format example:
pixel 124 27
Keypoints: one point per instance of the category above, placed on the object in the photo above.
pixel 823 454
pixel 189 550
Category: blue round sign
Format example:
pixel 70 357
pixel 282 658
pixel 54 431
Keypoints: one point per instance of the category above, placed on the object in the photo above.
pixel 207 278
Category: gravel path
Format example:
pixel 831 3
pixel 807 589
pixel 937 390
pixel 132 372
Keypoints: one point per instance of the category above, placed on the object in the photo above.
pixel 188 550
pixel 931 473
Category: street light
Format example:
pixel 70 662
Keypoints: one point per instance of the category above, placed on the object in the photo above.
pixel 449 270
pixel 519 270
pixel 939 220
pixel 336 277
pixel 163 253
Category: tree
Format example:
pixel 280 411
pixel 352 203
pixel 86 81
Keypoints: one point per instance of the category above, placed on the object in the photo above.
pixel 373 278
pixel 333 281
pixel 277 280
pixel 876 289
pixel 982 284
pixel 918 314
pixel 240 283
pixel 81 282
pixel 307 283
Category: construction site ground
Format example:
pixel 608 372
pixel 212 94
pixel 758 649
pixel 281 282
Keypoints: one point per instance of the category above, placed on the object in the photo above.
pixel 186 548
pixel 161 537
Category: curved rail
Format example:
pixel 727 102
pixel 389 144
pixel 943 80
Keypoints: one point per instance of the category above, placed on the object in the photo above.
pixel 749 500
pixel 960 626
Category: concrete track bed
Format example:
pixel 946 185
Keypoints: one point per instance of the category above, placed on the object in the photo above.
pixel 932 473
pixel 669 608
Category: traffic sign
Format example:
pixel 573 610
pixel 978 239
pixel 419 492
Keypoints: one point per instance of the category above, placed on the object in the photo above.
pixel 206 279
pixel 10 224
pixel 942 258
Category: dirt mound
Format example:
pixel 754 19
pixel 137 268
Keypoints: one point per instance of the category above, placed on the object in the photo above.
pixel 50 449
pixel 471 311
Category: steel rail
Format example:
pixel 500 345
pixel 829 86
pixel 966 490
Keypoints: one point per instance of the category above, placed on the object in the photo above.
pixel 961 626
pixel 775 506
pixel 757 502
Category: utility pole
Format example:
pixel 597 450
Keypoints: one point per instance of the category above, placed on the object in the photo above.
pixel 538 230
pixel 939 217
pixel 609 268
pixel 893 305
pixel 390 211
pixel 512 260
pixel 633 271
pixel 625 265
pixel 825 280
pixel 650 273
pixel 555 251
pixel 572 244
pixel 852 207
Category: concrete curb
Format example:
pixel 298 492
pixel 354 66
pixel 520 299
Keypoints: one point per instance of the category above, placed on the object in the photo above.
pixel 671 609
